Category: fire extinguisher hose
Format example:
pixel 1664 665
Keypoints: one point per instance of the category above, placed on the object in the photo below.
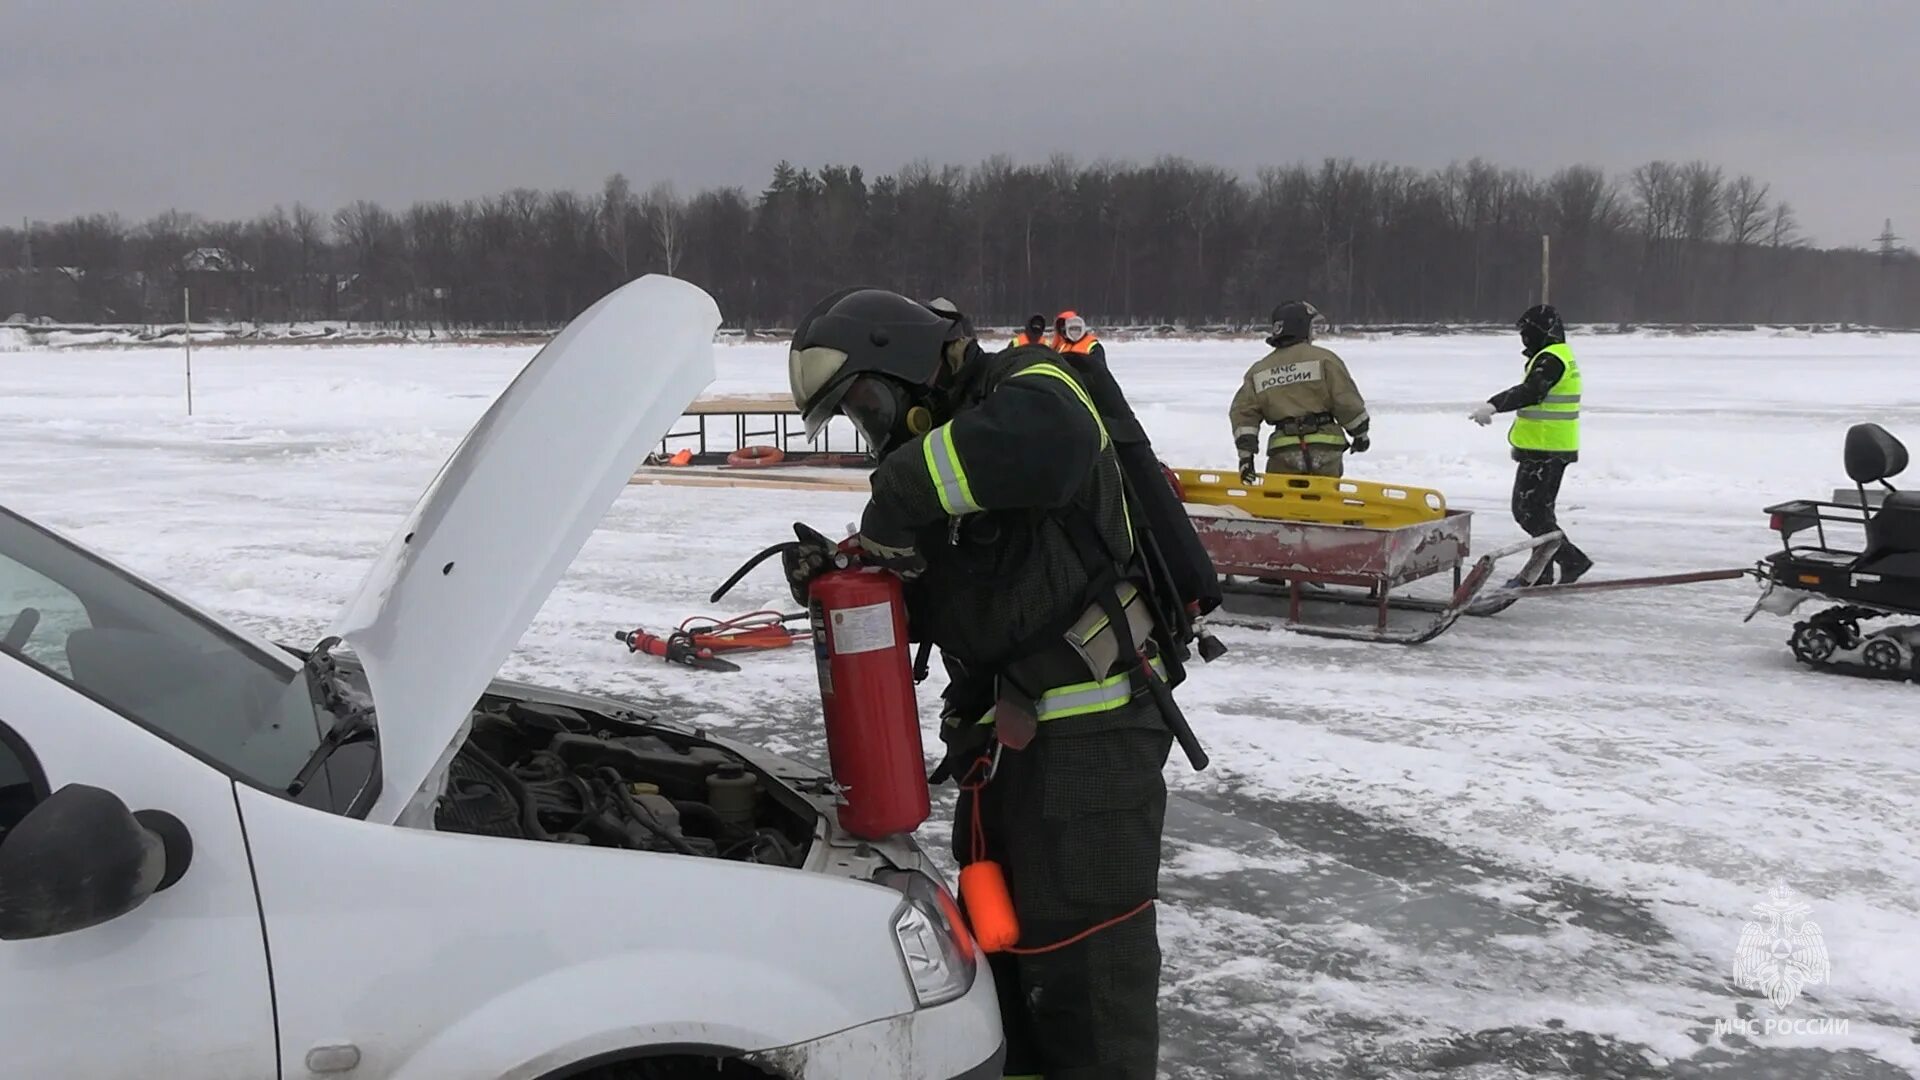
pixel 999 905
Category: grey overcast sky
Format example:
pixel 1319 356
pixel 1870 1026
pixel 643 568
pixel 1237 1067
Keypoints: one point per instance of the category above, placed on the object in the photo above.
pixel 225 108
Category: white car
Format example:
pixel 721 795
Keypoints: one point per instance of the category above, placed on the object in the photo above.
pixel 224 858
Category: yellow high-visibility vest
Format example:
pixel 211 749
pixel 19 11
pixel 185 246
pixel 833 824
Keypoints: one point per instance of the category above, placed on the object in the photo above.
pixel 1554 424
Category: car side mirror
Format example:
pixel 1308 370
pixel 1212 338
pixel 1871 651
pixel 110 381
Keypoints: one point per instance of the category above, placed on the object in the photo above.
pixel 81 858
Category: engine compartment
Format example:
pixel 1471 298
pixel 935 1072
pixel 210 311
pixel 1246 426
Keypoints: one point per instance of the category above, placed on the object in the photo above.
pixel 536 771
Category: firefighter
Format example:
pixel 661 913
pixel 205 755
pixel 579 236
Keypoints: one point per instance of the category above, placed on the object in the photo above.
pixel 1034 333
pixel 1308 396
pixel 998 495
pixel 1070 336
pixel 1545 435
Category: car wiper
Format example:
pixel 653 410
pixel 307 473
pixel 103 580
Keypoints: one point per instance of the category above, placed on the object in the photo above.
pixel 350 723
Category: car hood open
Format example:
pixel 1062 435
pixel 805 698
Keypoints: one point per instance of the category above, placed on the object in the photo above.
pixel 458 584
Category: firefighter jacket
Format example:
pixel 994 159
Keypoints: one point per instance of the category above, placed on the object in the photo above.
pixel 991 498
pixel 1546 402
pixel 1305 392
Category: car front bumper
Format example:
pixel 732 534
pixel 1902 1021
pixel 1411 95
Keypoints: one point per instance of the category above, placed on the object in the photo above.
pixel 960 1040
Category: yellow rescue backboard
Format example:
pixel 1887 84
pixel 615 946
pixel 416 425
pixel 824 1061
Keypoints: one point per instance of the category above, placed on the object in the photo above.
pixel 1328 500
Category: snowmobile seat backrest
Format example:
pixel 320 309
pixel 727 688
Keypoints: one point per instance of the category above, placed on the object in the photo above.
pixel 1894 529
pixel 1872 454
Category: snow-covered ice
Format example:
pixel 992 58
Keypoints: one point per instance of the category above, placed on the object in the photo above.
pixel 1527 848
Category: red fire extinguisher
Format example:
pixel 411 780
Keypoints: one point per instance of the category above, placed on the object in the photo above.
pixel 859 617
pixel 866 692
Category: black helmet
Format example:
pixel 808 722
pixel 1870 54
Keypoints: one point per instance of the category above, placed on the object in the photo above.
pixel 1036 324
pixel 1293 322
pixel 892 347
pixel 1539 327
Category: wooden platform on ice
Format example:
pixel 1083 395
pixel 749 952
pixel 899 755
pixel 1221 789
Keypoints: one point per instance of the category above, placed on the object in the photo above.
pixel 746 404
pixel 795 478
pixel 763 419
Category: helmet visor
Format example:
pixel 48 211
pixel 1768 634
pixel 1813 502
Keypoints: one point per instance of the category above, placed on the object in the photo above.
pixel 872 403
pixel 824 408
pixel 875 405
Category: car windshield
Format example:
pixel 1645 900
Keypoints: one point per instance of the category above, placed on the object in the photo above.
pixel 117 640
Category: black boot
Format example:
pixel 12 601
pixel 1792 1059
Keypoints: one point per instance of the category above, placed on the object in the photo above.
pixel 1574 567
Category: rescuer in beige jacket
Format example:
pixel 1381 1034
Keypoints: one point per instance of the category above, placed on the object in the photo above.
pixel 1306 393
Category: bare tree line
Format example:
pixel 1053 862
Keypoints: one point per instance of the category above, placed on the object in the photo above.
pixel 1169 242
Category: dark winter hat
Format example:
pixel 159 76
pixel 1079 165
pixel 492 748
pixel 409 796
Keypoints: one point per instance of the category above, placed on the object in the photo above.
pixel 1540 326
pixel 1036 325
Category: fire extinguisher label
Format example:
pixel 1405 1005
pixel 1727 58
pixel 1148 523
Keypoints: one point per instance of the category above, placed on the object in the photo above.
pixel 863 629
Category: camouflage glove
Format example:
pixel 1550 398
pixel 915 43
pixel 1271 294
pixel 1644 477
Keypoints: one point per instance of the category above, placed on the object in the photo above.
pixel 889 546
pixel 1360 442
pixel 806 560
pixel 1248 445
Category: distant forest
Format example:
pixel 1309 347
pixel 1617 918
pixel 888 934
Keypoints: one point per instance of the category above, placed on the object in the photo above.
pixel 1167 243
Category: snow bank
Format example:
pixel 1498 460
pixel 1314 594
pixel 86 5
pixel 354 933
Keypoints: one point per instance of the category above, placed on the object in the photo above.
pixel 65 339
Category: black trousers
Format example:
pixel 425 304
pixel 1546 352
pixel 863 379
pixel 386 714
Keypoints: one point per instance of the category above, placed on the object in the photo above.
pixel 1536 488
pixel 1074 820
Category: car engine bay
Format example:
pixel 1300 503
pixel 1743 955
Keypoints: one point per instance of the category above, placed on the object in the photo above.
pixel 536 771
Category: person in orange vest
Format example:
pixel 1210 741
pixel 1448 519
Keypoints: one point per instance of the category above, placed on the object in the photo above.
pixel 1034 333
pixel 1070 336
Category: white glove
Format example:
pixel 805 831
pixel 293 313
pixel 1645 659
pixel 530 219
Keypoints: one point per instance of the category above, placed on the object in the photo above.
pixel 1482 413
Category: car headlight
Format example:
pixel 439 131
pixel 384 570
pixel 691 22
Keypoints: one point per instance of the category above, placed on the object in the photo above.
pixel 933 939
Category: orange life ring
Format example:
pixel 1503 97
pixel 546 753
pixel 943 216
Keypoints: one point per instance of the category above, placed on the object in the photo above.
pixel 754 457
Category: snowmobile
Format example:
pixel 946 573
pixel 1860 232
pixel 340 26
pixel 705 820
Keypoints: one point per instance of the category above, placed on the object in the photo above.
pixel 1879 580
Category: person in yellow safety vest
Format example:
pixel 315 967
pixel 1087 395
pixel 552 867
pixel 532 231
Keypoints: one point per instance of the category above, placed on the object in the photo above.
pixel 1308 396
pixel 1070 336
pixel 1034 333
pixel 1545 434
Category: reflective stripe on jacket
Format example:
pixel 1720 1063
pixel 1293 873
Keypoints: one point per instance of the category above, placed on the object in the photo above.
pixel 1087 698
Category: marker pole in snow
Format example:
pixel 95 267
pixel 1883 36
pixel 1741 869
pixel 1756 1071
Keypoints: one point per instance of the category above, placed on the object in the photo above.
pixel 1546 267
pixel 186 323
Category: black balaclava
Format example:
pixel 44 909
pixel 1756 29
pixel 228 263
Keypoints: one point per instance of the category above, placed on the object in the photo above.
pixel 1539 327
